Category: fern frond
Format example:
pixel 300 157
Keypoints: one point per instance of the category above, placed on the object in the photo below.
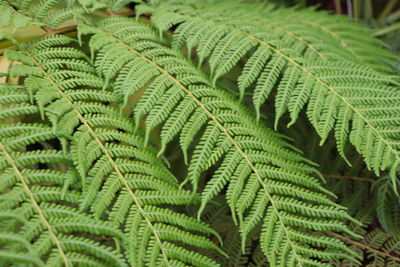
pixel 337 93
pixel 122 180
pixel 220 219
pixel 317 35
pixel 51 13
pixel 263 174
pixel 10 16
pixel 354 196
pixel 389 245
pixel 378 247
pixel 40 222
pixel 117 5
pixel 388 205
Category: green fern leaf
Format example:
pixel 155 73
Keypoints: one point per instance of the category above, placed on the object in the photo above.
pixel 40 223
pixel 338 92
pixel 51 13
pixel 121 179
pixel 267 191
pixel 378 240
pixel 388 205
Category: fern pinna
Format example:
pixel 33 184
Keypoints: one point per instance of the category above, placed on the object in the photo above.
pixel 121 179
pixel 267 181
pixel 338 93
pixel 40 222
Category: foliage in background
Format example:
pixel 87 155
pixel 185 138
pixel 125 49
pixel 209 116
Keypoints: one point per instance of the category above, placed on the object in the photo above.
pixel 382 15
pixel 115 139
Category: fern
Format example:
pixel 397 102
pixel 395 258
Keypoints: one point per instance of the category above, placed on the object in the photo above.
pixel 354 195
pixel 40 220
pixel 257 163
pixel 49 13
pixel 377 247
pixel 317 35
pixel 378 239
pixel 388 205
pixel 120 179
pixel 91 173
pixel 220 219
pixel 10 16
pixel 338 93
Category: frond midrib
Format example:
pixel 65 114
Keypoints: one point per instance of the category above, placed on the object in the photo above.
pixel 213 118
pixel 366 246
pixel 115 166
pixel 35 204
pixel 306 70
pixel 333 34
pixel 301 39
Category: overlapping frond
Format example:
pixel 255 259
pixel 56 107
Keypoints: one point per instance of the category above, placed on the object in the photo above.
pixel 358 103
pixel 385 249
pixel 123 182
pixel 387 205
pixel 377 247
pixel 81 183
pixel 40 223
pixel 267 181
pixel 11 16
pixel 50 13
pixel 317 35
pixel 220 219
pixel 354 195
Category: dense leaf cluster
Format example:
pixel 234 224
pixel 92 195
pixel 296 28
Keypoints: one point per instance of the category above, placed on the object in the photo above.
pixel 114 141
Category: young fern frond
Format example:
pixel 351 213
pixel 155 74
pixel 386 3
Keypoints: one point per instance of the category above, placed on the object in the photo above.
pixel 267 181
pixel 337 93
pixel 40 222
pixel 122 181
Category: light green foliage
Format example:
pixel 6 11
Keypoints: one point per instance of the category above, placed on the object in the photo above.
pixel 50 12
pixel 10 16
pixel 113 142
pixel 120 179
pixel 40 220
pixel 267 181
pixel 357 102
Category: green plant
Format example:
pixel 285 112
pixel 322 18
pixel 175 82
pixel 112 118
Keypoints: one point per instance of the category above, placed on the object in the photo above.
pixel 98 131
